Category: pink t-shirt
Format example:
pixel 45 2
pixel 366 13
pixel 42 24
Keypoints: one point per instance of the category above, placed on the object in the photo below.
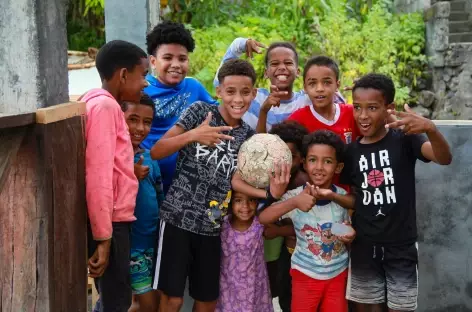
pixel 244 283
pixel 110 183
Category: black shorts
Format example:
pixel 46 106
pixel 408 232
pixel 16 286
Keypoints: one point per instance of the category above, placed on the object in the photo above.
pixel 183 254
pixel 383 273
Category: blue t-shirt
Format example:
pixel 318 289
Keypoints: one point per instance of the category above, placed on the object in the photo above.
pixel 170 102
pixel 148 201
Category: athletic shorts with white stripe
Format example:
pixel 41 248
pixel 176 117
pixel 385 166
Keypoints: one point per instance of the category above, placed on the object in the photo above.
pixel 383 273
pixel 183 254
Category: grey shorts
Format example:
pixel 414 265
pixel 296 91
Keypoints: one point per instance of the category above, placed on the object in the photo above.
pixel 384 273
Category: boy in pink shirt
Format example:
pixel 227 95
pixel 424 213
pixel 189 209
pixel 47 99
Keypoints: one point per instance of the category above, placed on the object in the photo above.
pixel 111 185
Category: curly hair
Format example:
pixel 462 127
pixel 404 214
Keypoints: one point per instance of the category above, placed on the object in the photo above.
pixel 144 100
pixel 324 137
pixel 321 60
pixel 378 82
pixel 290 131
pixel 237 67
pixel 169 32
pixel 283 44
pixel 118 54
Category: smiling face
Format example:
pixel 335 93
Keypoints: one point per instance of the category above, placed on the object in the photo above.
pixel 320 164
pixel 282 68
pixel 370 113
pixel 139 119
pixel 236 93
pixel 243 206
pixel 132 82
pixel 321 85
pixel 170 63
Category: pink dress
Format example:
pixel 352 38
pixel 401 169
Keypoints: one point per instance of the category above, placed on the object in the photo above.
pixel 244 283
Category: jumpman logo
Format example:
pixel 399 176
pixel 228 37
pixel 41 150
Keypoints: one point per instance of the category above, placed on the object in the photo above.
pixel 379 213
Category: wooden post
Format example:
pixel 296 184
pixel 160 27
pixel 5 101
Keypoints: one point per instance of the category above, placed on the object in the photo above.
pixel 43 212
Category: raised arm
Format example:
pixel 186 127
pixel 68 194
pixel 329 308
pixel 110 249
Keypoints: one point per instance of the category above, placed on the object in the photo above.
pixel 236 49
pixel 437 149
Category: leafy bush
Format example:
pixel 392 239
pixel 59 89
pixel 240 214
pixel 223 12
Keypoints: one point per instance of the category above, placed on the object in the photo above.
pixel 376 41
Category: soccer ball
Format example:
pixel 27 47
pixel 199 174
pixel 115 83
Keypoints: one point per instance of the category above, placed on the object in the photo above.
pixel 257 156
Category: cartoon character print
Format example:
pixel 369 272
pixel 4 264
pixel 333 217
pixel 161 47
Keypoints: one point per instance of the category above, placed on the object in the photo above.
pixel 217 211
pixel 321 242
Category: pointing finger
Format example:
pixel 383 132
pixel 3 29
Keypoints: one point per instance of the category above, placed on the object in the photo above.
pixel 260 44
pixel 208 119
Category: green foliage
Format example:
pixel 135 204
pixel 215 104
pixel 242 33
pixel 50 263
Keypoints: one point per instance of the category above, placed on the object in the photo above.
pixel 96 7
pixel 375 41
pixel 81 36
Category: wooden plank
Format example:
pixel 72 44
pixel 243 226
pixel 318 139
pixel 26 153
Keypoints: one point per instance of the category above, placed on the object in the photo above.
pixel 17 120
pixel 63 146
pixel 60 112
pixel 21 217
pixel 10 141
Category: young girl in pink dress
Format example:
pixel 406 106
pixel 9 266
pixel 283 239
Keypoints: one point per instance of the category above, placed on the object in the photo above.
pixel 244 283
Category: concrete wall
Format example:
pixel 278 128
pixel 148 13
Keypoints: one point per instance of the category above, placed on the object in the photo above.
pixel 411 5
pixel 130 20
pixel 33 55
pixel 444 213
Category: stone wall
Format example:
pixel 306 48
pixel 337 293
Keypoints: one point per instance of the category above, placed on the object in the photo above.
pixel 411 5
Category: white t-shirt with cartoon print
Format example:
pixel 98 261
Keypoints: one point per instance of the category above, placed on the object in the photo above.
pixel 318 253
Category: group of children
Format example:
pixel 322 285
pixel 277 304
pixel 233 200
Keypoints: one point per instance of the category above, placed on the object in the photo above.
pixel 167 206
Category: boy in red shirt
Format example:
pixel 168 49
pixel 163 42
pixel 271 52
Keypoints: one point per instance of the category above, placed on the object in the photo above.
pixel 321 81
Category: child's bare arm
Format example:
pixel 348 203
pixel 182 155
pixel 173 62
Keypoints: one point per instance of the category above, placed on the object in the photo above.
pixel 437 149
pixel 279 180
pixel 303 201
pixel 272 231
pixel 344 200
pixel 239 185
pixel 176 138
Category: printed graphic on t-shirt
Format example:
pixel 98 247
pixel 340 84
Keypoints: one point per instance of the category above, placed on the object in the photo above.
pixel 323 244
pixel 199 196
pixel 378 174
pixel 171 106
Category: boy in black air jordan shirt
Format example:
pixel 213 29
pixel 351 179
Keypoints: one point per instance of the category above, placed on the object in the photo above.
pixel 381 168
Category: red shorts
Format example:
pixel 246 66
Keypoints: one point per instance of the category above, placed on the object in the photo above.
pixel 310 295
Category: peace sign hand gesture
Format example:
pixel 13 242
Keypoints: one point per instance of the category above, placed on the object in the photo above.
pixel 410 122
pixel 210 136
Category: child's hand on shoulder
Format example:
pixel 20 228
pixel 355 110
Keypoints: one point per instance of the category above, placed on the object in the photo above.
pixel 208 135
pixel 140 171
pixel 253 46
pixel 306 199
pixel 410 122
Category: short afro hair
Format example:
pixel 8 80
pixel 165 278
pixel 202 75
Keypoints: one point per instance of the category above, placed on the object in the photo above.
pixel 144 100
pixel 118 54
pixel 237 67
pixel 324 137
pixel 321 60
pixel 169 32
pixel 290 131
pixel 379 82
pixel 282 44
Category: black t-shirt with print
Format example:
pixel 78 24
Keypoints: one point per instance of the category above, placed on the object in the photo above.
pixel 199 194
pixel 383 174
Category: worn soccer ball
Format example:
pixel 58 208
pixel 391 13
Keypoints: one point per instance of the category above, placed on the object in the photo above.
pixel 257 156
